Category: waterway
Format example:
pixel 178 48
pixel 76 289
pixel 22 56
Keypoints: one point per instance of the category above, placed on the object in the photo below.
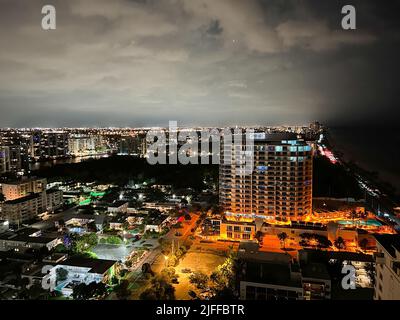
pixel 45 164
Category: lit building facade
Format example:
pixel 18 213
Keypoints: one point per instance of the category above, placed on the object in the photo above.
pixel 387 267
pixel 237 231
pixel 22 188
pixel 84 145
pixel 280 185
pixel 23 209
pixel 4 159
pixel 49 145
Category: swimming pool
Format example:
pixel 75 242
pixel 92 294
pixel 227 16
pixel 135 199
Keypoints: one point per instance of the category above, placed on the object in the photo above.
pixel 369 222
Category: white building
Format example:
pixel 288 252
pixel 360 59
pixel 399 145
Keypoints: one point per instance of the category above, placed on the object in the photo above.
pixel 23 209
pixel 54 199
pixel 387 258
pixel 29 207
pixel 118 207
pixel 83 270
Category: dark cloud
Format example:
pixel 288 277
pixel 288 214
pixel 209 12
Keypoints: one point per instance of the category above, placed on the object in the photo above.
pixel 215 28
pixel 137 62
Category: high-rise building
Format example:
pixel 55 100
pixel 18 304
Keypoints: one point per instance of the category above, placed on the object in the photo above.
pixel 15 158
pixel 85 145
pixel 280 185
pixel 49 144
pixel 4 159
pixel 387 267
pixel 18 145
pixel 132 145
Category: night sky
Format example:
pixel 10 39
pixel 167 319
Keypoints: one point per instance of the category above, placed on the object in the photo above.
pixel 203 62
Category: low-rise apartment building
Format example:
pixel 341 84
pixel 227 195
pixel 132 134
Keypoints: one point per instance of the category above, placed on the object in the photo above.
pixel 22 188
pixel 277 276
pixel 237 231
pixel 23 209
pixel 25 239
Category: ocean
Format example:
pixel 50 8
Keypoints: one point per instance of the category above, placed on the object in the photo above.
pixel 375 149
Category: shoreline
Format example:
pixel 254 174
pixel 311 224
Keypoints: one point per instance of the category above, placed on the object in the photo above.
pixel 367 171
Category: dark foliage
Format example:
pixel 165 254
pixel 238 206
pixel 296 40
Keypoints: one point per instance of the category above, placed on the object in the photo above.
pixel 120 169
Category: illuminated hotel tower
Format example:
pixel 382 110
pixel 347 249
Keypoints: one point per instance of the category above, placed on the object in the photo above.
pixel 281 182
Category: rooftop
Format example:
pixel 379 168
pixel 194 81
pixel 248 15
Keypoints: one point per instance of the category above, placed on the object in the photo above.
pixel 118 219
pixel 118 204
pixel 27 235
pixel 275 136
pixel 22 181
pixel 50 191
pixel 27 239
pixel 319 256
pixel 23 199
pixel 241 223
pixel 391 242
pixel 98 266
pixel 315 270
pixel 157 220
pixel 98 219
pixel 251 253
pixel 270 273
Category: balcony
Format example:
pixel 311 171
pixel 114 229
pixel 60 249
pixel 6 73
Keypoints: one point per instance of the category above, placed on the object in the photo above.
pixel 379 258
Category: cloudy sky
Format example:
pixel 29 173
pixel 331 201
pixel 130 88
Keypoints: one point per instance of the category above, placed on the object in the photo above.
pixel 210 62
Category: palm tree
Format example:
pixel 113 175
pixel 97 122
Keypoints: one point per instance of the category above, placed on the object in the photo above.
pixel 339 243
pixel 259 236
pixel 282 237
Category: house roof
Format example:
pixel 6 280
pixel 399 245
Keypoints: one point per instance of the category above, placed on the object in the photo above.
pixel 98 266
pixel 270 273
pixel 315 270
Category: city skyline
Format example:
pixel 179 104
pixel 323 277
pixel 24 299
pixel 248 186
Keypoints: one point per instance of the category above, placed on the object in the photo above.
pixel 200 151
pixel 142 63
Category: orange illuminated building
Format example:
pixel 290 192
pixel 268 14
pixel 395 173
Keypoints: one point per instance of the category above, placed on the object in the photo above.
pixel 280 185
